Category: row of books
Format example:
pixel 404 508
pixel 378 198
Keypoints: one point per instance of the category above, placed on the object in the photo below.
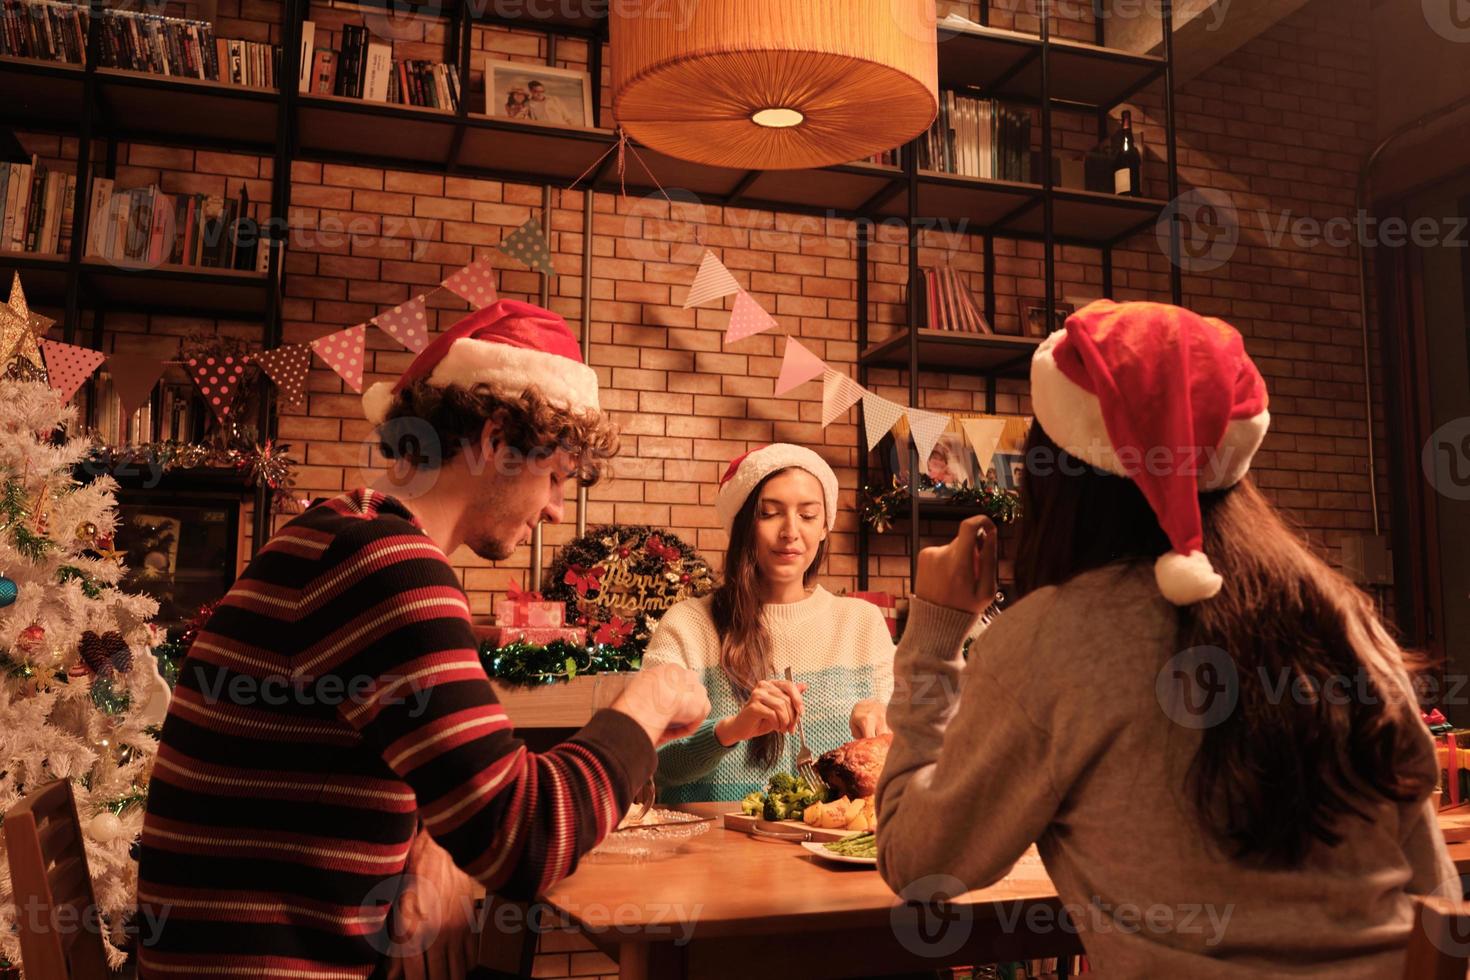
pixel 147 226
pixel 977 137
pixel 36 205
pixel 365 69
pixel 48 31
pixel 175 413
pixel 951 305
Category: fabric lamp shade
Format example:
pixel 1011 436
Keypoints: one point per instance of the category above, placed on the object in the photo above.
pixel 775 84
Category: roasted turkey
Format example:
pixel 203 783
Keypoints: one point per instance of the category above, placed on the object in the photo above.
pixel 852 770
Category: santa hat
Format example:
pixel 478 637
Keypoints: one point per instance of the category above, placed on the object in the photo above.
pixel 746 473
pixel 508 346
pixel 1162 396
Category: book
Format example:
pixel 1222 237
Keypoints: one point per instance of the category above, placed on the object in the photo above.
pixel 324 71
pixel 377 69
pixel 305 64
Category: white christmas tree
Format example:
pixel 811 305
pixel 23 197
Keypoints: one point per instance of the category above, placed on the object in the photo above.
pixel 79 685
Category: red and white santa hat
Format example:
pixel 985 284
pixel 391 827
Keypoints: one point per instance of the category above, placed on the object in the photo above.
pixel 508 346
pixel 746 473
pixel 1165 397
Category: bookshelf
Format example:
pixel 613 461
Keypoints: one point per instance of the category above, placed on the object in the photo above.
pixel 1048 73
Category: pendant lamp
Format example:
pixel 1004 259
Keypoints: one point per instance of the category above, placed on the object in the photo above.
pixel 774 84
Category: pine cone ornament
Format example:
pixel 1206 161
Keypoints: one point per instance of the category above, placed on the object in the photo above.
pixel 105 653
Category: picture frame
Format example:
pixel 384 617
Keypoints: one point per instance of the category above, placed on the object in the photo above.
pixel 179 548
pixel 511 93
pixel 951 462
pixel 1033 315
pixel 1006 468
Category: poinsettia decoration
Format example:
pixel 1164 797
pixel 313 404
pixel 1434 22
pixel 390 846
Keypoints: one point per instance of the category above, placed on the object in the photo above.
pixel 619 580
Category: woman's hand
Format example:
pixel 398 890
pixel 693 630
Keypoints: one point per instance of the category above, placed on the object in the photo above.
pixel 773 706
pixel 869 718
pixel 961 574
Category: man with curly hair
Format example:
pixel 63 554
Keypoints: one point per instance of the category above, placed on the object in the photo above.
pixel 334 703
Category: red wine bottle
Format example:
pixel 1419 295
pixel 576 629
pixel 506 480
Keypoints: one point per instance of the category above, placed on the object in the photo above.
pixel 1127 162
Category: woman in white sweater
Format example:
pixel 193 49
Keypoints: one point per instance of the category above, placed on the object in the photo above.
pixel 1204 728
pixel 778 504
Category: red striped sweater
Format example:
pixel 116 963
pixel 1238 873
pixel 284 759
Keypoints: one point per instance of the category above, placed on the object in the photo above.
pixel 331 702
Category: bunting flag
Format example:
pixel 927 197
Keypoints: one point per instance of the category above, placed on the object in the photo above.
pixel 345 353
pixel 839 393
pixel 798 367
pixel 983 434
pixel 409 325
pixel 747 319
pixel 133 378
pixel 69 366
pixel 218 379
pixel 712 281
pixel 475 283
pixel 288 367
pixel 527 245
pixel 879 416
pixel 927 427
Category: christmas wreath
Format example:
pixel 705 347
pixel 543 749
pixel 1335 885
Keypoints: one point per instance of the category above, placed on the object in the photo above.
pixel 618 580
pixel 882 507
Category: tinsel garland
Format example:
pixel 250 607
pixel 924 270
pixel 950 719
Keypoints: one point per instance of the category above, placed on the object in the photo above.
pixel 527 665
pixel 271 463
pixel 881 508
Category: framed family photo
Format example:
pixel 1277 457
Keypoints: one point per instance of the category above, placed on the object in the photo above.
pixel 1033 316
pixel 537 93
pixel 950 464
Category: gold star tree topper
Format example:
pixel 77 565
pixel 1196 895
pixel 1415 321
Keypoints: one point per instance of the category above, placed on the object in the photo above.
pixel 19 328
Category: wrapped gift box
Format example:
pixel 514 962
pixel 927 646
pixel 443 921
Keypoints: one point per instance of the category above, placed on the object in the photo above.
pixel 540 635
pixel 529 613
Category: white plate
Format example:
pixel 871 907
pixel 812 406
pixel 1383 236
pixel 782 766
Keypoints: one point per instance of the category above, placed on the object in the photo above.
pixel 819 848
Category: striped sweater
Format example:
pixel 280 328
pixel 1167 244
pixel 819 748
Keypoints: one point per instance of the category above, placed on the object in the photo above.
pixel 332 702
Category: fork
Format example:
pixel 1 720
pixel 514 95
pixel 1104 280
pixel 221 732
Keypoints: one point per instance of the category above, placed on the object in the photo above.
pixel 806 764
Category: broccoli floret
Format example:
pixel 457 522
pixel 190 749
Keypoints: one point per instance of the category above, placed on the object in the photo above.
pixel 782 783
pixel 753 804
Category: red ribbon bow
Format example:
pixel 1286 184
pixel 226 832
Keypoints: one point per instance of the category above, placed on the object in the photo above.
pixel 516 594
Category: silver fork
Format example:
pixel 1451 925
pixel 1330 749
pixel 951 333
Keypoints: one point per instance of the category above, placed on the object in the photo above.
pixel 806 763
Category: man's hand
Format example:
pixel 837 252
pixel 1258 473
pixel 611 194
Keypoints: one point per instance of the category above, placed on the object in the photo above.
pixel 433 929
pixel 961 574
pixel 869 718
pixel 667 700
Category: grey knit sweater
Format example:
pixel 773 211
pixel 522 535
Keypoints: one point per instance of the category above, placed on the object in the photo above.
pixel 1054 732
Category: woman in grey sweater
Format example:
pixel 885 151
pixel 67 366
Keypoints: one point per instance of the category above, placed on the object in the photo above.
pixel 1206 730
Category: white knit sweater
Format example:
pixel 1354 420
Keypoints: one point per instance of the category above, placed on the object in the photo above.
pixel 838 646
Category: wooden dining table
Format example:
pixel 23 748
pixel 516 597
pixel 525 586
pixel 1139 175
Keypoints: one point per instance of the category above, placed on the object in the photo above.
pixel 726 904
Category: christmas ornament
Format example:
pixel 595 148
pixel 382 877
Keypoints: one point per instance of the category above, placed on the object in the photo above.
pixel 105 653
pixel 105 827
pixel 158 695
pixel 8 591
pixel 87 532
pixel 20 354
pixel 31 638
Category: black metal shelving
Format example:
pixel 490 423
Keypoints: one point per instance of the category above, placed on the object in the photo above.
pixel 1041 70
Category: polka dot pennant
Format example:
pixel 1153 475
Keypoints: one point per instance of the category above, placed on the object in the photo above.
pixel 747 319
pixel 69 365
pixel 218 379
pixel 287 367
pixel 475 283
pixel 345 353
pixel 409 325
pixel 527 245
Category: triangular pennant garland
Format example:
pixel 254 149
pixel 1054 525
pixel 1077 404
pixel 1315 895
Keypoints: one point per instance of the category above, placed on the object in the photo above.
pixel 527 245
pixel 712 281
pixel 879 416
pixel 69 366
pixel 133 378
pixel 474 283
pixel 747 319
pixel 218 379
pixel 927 427
pixel 344 352
pixel 409 324
pixel 798 367
pixel 839 393
pixel 287 367
pixel 983 434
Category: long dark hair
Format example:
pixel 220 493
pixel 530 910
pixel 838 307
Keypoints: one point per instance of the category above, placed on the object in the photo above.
pixel 745 647
pixel 1278 773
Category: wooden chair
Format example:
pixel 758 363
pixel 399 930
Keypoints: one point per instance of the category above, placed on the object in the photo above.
pixel 1439 946
pixel 60 934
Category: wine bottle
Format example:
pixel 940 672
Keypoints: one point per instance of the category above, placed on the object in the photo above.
pixel 1127 162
